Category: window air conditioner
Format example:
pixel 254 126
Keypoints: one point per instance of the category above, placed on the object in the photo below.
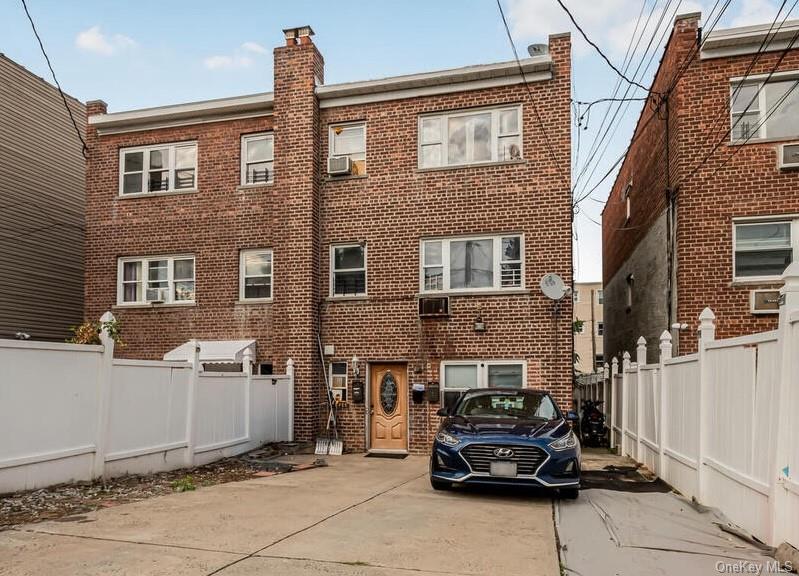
pixel 157 295
pixel 789 156
pixel 765 301
pixel 437 307
pixel 339 166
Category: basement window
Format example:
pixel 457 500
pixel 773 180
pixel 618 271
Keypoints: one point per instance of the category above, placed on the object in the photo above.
pixel 159 168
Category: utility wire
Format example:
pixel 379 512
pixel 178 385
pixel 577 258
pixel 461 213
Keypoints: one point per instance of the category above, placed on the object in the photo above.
pixel 697 49
pixel 84 149
pixel 599 50
pixel 546 137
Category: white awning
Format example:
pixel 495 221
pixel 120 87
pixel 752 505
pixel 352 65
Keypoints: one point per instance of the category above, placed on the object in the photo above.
pixel 213 351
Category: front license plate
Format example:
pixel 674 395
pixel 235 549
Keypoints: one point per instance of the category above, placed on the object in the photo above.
pixel 506 469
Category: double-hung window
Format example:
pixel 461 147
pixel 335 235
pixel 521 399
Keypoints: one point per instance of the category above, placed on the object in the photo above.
pixel 350 140
pixel 255 275
pixel 348 270
pixel 765 110
pixel 257 159
pixel 159 168
pixel 474 263
pixel 763 250
pixel 470 137
pixel 459 376
pixel 157 279
pixel 600 328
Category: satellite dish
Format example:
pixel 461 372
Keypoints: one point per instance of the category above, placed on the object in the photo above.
pixel 537 49
pixel 553 286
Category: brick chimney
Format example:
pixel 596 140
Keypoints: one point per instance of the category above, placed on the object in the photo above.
pixel 298 68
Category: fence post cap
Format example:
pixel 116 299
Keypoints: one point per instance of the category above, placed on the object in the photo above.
pixel 707 314
pixel 641 341
pixel 289 362
pixel 626 355
pixel 615 361
pixel 792 271
pixel 107 317
pixel 607 365
pixel 665 336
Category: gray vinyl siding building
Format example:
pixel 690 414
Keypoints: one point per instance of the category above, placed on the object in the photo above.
pixel 41 207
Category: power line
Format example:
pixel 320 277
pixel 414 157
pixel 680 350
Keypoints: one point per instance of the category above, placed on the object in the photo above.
pixel 84 149
pixel 598 49
pixel 547 139
pixel 678 76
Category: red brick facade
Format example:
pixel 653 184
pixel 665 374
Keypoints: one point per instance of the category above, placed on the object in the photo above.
pixel 735 181
pixel 304 212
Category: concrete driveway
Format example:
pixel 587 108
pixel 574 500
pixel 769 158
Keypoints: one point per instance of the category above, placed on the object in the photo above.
pixel 359 516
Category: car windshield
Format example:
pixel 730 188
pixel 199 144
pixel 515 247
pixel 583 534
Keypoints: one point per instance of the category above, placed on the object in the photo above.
pixel 504 405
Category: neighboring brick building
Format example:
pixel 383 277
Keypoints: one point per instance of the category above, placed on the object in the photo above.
pixel 718 228
pixel 588 300
pixel 225 210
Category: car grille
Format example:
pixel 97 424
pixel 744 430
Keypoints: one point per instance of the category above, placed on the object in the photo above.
pixel 527 458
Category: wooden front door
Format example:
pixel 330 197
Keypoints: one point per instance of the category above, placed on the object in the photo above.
pixel 388 399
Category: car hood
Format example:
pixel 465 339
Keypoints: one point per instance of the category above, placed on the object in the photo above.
pixel 476 426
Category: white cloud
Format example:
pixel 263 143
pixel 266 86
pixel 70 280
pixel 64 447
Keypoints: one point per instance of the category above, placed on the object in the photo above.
pixel 93 40
pixel 221 62
pixel 239 59
pixel 254 47
pixel 756 12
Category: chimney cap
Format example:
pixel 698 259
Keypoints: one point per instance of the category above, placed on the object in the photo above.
pixel 293 33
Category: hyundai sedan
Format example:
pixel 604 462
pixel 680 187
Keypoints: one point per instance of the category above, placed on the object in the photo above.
pixel 506 437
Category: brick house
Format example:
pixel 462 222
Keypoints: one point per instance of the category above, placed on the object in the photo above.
pixel 344 210
pixel 721 224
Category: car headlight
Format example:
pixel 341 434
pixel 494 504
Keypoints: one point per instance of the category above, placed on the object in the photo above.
pixel 447 439
pixel 564 443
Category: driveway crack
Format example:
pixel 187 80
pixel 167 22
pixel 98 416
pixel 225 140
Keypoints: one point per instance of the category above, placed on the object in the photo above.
pixel 317 523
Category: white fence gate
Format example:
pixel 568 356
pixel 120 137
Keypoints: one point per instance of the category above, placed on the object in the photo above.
pixel 73 412
pixel 721 425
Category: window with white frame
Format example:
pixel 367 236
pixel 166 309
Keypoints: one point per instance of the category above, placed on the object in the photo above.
pixel 159 168
pixel 255 275
pixel 600 296
pixel 350 140
pixel 600 328
pixel 338 380
pixel 348 270
pixel 763 250
pixel 470 137
pixel 576 296
pixel 460 376
pixel 161 279
pixel 599 362
pixel 764 110
pixel 474 263
pixel 257 158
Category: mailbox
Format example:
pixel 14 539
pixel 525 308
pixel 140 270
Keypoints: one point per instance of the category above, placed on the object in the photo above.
pixel 357 392
pixel 417 393
pixel 433 392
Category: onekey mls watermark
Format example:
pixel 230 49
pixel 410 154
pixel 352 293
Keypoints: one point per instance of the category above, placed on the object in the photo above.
pixel 750 567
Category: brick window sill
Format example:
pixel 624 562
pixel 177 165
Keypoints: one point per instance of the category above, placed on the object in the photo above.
pixel 362 298
pixel 518 292
pixel 157 194
pixel 471 166
pixel 248 187
pixel 151 306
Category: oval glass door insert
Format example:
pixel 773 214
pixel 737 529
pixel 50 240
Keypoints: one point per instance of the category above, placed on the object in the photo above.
pixel 388 394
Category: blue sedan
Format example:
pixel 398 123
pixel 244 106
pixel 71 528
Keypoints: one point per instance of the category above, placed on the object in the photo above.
pixel 503 436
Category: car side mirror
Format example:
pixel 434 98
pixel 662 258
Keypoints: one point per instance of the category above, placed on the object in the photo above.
pixel 572 416
pixel 443 412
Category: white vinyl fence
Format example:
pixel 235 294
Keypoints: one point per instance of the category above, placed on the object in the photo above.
pixel 72 412
pixel 721 425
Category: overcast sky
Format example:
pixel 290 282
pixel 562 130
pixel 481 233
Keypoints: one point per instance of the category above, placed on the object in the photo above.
pixel 149 53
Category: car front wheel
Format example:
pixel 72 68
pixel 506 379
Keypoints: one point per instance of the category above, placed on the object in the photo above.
pixel 440 484
pixel 569 493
